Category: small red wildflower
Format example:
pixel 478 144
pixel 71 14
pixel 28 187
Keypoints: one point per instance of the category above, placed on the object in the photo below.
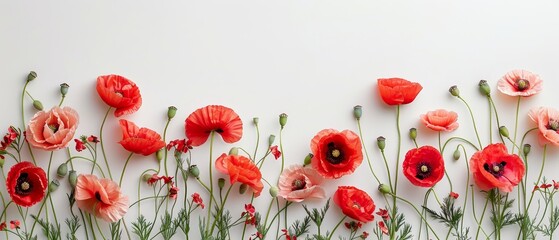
pixel 9 138
pixel 353 225
pixel 383 213
pixel 364 235
pixel 555 185
pixel 92 139
pixel 173 191
pixel 454 195
pixel 154 178
pixel 535 188
pixel 80 146
pixel 14 224
pixel 198 200
pixel 2 226
pixel 287 235
pixel 180 145
pixel 249 213
pixel 275 152
pixel 545 186
pixel 383 227
pixel 167 179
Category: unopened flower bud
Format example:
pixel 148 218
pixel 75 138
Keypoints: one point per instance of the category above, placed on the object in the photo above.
pixel 146 177
pixel 171 112
pixel 62 170
pixel 31 76
pixel 234 151
pixel 526 149
pixel 53 185
pixel 454 91
pixel 381 142
pixel 255 120
pixel 413 133
pixel 456 154
pixel 194 171
pixel 384 189
pixel 484 88
pixel 282 119
pixel 160 154
pixel 2 160
pixel 73 178
pixel 504 131
pixel 274 191
pixel 271 139
pixel 221 183
pixel 38 105
pixel 357 112
pixel 64 89
pixel 243 188
pixel 308 159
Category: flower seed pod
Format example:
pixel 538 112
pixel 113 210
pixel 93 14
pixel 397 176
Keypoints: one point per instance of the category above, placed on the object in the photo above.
pixel 274 191
pixel 62 170
pixel 73 178
pixel 282 120
pixel 456 154
pixel 381 142
pixel 308 159
pixel 2 161
pixel 64 89
pixel 271 139
pixel 484 88
pixel 38 105
pixel 171 112
pixel 413 133
pixel 384 189
pixel 504 131
pixel 526 149
pixel 454 91
pixel 221 183
pixel 194 171
pixel 243 188
pixel 255 120
pixel 54 184
pixel 31 76
pixel 357 112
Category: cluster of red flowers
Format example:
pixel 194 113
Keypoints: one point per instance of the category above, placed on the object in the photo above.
pixel 14 224
pixel 248 214
pixel 167 180
pixel 80 143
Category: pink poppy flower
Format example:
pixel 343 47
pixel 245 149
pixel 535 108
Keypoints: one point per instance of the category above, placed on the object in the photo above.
pixel 547 120
pixel 101 197
pixel 53 129
pixel 520 83
pixel 298 183
pixel 440 120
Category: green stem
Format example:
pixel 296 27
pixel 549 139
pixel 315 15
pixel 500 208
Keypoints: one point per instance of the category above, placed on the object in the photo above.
pixel 516 123
pixel 211 183
pixel 103 145
pixel 366 153
pixel 124 169
pixel 496 116
pixel 395 190
pixel 164 140
pixel 417 211
pixel 539 177
pixel 336 227
pixel 257 141
pixel 281 149
pixel 221 208
pixel 473 121
pixel 61 101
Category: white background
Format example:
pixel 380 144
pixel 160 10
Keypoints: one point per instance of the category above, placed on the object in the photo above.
pixel 313 60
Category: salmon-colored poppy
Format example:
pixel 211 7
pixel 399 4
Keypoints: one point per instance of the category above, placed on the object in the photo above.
pixel 547 120
pixel 298 183
pixel 26 184
pixel 241 169
pixel 101 197
pixel 120 93
pixel 336 153
pixel 423 166
pixel 355 203
pixel 53 129
pixel 520 83
pixel 440 120
pixel 139 140
pixel 396 91
pixel 220 119
pixel 493 167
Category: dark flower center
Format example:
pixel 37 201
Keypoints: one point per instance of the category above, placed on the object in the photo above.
pixel 522 84
pixel 423 171
pixel 553 124
pixel 54 127
pixel 495 168
pixel 98 196
pixel 298 184
pixel 334 155
pixel 23 186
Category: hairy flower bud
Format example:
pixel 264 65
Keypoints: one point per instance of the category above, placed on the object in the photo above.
pixel 526 149
pixel 413 133
pixel 221 183
pixel 274 191
pixel 454 91
pixel 62 170
pixel 357 112
pixel 64 89
pixel 31 76
pixel 38 105
pixel 73 178
pixel 308 159
pixel 53 185
pixel 484 88
pixel 384 189
pixel 504 131
pixel 456 154
pixel 271 139
pixel 243 188
pixel 171 112
pixel 194 171
pixel 381 142
pixel 282 119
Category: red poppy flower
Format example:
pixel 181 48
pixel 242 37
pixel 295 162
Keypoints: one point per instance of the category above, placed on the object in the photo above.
pixel 440 120
pixel 355 203
pixel 396 91
pixel 139 140
pixel 220 119
pixel 383 213
pixel 2 226
pixel 423 166
pixel 80 146
pixel 9 138
pixel 198 200
pixel 454 195
pixel 120 93
pixel 520 83
pixel 383 227
pixel 26 183
pixel 336 153
pixel 240 169
pixel 493 167
pixel 180 145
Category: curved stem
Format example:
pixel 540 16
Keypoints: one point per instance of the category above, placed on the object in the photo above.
pixel 417 211
pixel 102 143
pixel 281 149
pixel 336 227
pixel 211 183
pixel 124 169
pixel 473 121
pixel 394 192
pixel 539 177
pixel 516 123
pixel 257 141
pixel 366 153
pixel 496 116
pixel 164 140
pixel 61 101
